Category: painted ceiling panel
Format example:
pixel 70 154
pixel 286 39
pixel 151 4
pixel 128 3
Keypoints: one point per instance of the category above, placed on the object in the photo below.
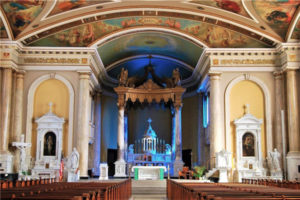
pixel 162 68
pixel 277 13
pixel 67 5
pixel 150 43
pixel 3 33
pixel 21 13
pixel 234 6
pixel 296 32
pixel 210 34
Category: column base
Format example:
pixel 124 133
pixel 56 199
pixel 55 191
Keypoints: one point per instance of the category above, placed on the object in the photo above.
pixel 120 169
pixel 6 162
pixel 293 165
pixel 177 166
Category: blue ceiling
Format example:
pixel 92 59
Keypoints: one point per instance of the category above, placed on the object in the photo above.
pixel 162 67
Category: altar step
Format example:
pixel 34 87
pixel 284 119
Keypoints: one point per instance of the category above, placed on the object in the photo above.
pixel 149 189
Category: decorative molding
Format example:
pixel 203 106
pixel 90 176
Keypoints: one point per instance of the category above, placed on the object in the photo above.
pixel 30 104
pixel 268 116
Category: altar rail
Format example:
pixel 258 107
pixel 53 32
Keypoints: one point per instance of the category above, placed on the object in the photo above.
pixel 273 182
pixel 24 183
pixel 227 191
pixel 71 191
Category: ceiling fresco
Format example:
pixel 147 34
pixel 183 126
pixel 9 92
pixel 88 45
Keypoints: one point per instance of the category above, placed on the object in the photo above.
pixel 21 13
pixel 67 5
pixel 162 67
pixel 3 33
pixel 210 34
pixel 296 32
pixel 150 43
pixel 277 13
pixel 234 6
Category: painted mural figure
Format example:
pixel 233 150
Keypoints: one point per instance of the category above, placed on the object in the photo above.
pixel 248 145
pixel 49 144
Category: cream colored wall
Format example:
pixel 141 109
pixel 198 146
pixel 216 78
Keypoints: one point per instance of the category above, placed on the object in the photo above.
pixel 247 92
pixel 32 76
pixel 54 91
pixel 268 80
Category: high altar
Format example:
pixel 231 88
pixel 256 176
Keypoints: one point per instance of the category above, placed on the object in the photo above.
pixel 149 150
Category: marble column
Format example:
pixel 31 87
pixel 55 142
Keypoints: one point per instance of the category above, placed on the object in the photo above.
pixel 83 123
pixel 6 84
pixel 177 140
pixel 97 142
pixel 217 139
pixel 18 113
pixel 120 164
pixel 293 156
pixel 278 107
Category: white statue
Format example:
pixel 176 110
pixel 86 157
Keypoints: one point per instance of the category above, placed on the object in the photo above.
pixel 223 159
pixel 22 146
pixel 131 149
pixel 73 160
pixel 274 157
pixel 168 149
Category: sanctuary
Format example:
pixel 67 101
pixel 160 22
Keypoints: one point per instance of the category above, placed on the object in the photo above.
pixel 112 89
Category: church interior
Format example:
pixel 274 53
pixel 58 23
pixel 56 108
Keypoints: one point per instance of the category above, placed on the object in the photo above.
pixel 202 90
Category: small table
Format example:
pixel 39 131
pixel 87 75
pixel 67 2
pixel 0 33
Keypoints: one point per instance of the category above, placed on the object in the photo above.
pixel 149 172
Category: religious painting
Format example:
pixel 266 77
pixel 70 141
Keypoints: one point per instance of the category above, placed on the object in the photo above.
pixel 234 6
pixel 248 144
pixel 296 32
pixel 21 13
pixel 3 33
pixel 212 35
pixel 277 13
pixel 49 144
pixel 67 5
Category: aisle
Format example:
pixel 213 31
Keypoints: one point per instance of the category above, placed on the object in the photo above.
pixel 149 189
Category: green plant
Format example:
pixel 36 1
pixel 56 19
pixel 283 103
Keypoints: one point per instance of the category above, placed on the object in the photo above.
pixel 199 171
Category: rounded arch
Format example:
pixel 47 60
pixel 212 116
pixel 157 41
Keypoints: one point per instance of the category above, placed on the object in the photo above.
pixel 266 94
pixel 130 30
pixel 30 105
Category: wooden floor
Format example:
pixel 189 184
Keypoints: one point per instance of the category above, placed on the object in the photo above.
pixel 149 190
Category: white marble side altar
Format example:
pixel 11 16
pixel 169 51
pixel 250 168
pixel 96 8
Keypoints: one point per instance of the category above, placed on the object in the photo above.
pixel 149 172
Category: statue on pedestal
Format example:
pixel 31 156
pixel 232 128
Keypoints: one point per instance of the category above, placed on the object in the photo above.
pixel 22 146
pixel 72 166
pixel 273 161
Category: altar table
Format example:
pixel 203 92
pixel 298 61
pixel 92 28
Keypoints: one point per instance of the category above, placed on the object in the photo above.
pixel 149 172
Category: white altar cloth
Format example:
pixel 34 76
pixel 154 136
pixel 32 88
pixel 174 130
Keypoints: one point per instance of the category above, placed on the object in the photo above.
pixel 149 172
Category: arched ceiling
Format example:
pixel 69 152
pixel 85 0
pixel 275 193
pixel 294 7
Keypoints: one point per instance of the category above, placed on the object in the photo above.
pixel 183 28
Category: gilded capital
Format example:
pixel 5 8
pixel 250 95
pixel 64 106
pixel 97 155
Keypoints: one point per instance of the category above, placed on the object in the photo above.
pixel 214 75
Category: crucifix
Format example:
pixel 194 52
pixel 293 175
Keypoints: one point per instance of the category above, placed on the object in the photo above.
pixel 50 107
pixel 247 108
pixel 22 146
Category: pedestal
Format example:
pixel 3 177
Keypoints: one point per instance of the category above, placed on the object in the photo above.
pixel 120 169
pixel 293 165
pixel 5 163
pixel 72 176
pixel 223 177
pixel 177 166
pixel 103 168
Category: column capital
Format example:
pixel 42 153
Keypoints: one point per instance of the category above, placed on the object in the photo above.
pixel 84 74
pixel 20 74
pixel 214 75
pixel 278 74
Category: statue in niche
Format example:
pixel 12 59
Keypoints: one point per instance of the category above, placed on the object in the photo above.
pixel 49 144
pixel 123 77
pixel 176 77
pixel 248 145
